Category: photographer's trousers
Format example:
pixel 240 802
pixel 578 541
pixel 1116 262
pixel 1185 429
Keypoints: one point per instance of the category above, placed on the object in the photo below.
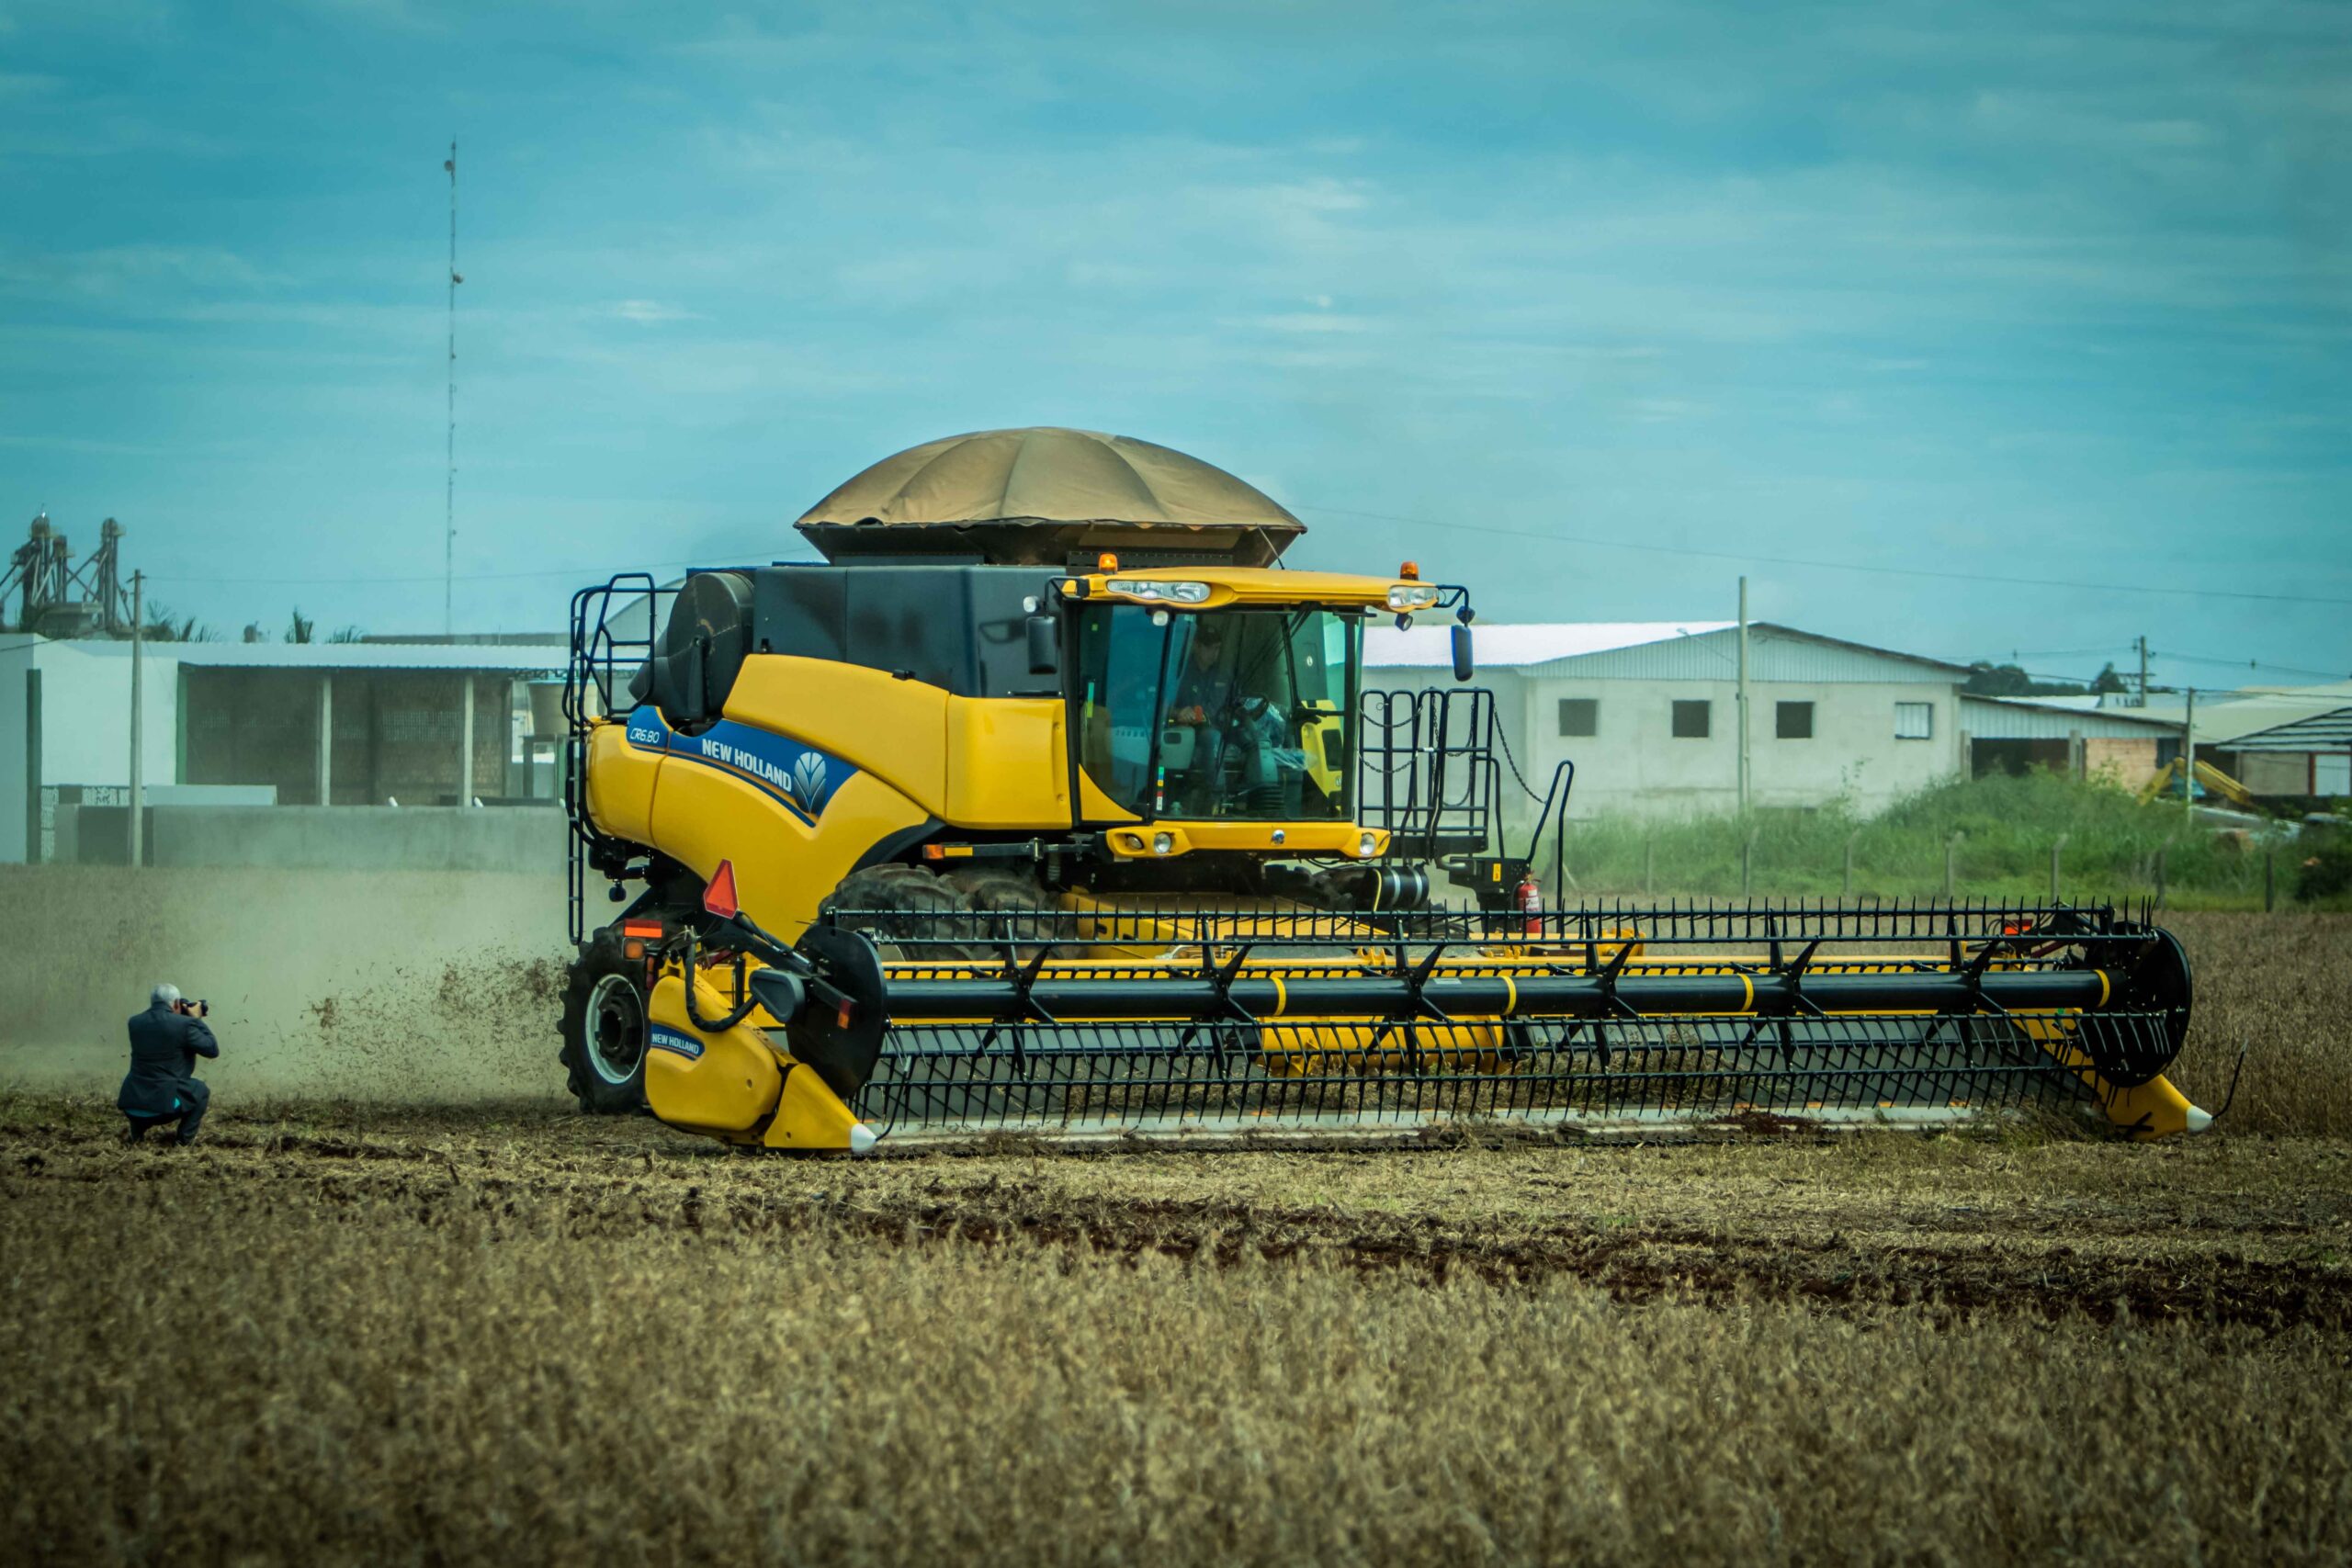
pixel 187 1114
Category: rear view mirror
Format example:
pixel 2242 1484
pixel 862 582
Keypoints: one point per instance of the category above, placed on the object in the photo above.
pixel 1045 646
pixel 1463 667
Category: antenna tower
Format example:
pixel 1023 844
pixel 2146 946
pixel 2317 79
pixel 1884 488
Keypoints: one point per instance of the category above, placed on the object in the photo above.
pixel 449 491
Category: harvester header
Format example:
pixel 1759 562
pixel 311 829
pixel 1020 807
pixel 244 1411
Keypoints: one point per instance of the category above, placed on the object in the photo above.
pixel 1047 803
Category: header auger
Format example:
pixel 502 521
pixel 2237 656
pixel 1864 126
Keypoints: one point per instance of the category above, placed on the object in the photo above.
pixel 975 829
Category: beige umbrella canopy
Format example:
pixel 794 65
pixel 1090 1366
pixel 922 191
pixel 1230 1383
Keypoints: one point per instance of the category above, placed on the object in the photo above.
pixel 1041 495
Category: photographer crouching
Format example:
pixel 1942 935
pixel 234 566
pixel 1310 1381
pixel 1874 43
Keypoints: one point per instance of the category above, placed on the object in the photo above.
pixel 161 1088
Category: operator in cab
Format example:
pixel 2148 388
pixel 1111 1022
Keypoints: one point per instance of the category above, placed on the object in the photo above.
pixel 1203 685
pixel 1243 760
pixel 161 1088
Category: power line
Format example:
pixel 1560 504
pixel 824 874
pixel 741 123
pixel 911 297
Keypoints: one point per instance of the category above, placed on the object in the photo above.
pixel 1826 565
pixel 2069 652
pixel 2250 664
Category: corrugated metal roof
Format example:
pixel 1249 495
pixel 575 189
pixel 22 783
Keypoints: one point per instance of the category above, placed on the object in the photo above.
pixel 514 659
pixel 1430 644
pixel 2221 722
pixel 1658 651
pixel 2037 718
pixel 520 659
pixel 2328 731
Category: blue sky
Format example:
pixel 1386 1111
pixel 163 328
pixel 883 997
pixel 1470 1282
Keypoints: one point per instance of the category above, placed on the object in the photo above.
pixel 2042 292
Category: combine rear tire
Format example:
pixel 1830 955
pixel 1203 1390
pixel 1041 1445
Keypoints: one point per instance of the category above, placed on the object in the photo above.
pixel 604 1029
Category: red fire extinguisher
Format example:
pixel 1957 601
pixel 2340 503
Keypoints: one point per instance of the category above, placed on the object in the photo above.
pixel 1530 903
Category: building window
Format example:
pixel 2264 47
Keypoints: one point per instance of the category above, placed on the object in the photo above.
pixel 1579 715
pixel 1691 720
pixel 1915 721
pixel 1792 721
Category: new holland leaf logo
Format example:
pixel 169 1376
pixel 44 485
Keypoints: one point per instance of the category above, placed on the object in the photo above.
pixel 808 778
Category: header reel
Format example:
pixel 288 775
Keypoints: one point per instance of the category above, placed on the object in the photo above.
pixel 1160 1020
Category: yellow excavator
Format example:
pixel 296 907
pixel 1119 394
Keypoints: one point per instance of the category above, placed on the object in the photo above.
pixel 1048 801
pixel 2210 780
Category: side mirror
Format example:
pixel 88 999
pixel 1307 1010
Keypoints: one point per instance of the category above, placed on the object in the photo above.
pixel 1462 666
pixel 1045 646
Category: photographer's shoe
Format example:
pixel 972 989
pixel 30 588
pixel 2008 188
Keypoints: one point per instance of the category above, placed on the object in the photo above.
pixel 134 1136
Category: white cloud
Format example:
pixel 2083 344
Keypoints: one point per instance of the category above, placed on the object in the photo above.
pixel 121 270
pixel 1305 321
pixel 648 311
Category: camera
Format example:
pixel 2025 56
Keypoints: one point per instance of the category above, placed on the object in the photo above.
pixel 199 1008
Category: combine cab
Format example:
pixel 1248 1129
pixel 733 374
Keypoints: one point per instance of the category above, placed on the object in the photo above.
pixel 1048 804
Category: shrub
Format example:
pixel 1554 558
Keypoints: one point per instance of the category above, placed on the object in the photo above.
pixel 2326 871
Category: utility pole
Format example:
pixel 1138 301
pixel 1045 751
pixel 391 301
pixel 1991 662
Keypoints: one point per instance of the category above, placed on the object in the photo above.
pixel 2188 757
pixel 1743 697
pixel 138 774
pixel 2143 670
pixel 450 492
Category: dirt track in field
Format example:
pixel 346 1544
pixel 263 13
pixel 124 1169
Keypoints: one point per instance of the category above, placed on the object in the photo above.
pixel 2255 1233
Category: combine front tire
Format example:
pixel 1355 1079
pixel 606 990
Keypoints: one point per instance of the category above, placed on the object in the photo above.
pixel 895 900
pixel 604 1029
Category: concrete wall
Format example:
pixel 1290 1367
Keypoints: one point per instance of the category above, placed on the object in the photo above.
pixel 520 840
pixel 2127 762
pixel 1635 764
pixel 396 733
pixel 86 721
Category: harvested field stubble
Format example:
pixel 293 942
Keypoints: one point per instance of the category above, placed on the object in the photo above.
pixel 359 1324
pixel 521 1339
pixel 2281 986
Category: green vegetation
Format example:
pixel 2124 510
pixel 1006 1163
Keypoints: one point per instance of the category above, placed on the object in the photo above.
pixel 2006 825
pixel 1986 679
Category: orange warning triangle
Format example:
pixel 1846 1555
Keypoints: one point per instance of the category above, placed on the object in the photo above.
pixel 720 896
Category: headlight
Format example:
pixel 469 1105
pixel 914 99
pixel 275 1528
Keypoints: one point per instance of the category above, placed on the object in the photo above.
pixel 1168 593
pixel 1162 842
pixel 1367 845
pixel 1406 596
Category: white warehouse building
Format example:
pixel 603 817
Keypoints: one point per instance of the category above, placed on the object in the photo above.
pixel 1649 712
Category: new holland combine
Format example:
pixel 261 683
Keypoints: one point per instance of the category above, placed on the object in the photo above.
pixel 1048 802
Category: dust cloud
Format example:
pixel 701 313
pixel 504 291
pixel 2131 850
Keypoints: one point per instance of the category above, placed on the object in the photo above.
pixel 391 986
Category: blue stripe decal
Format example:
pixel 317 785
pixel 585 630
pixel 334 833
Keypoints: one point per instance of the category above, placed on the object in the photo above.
pixel 801 778
pixel 686 1045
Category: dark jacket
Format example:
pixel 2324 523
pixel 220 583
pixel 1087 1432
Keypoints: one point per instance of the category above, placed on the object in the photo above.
pixel 163 1048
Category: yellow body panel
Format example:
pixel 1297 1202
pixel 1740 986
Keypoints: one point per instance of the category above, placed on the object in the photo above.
pixel 784 868
pixel 2154 1109
pixel 1316 838
pixel 1314 739
pixel 896 730
pixel 810 1117
pixel 620 780
pixel 1008 764
pixel 726 1088
pixel 737 1085
pixel 1097 806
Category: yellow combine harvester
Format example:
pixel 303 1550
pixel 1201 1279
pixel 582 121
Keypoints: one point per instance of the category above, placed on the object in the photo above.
pixel 1048 803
